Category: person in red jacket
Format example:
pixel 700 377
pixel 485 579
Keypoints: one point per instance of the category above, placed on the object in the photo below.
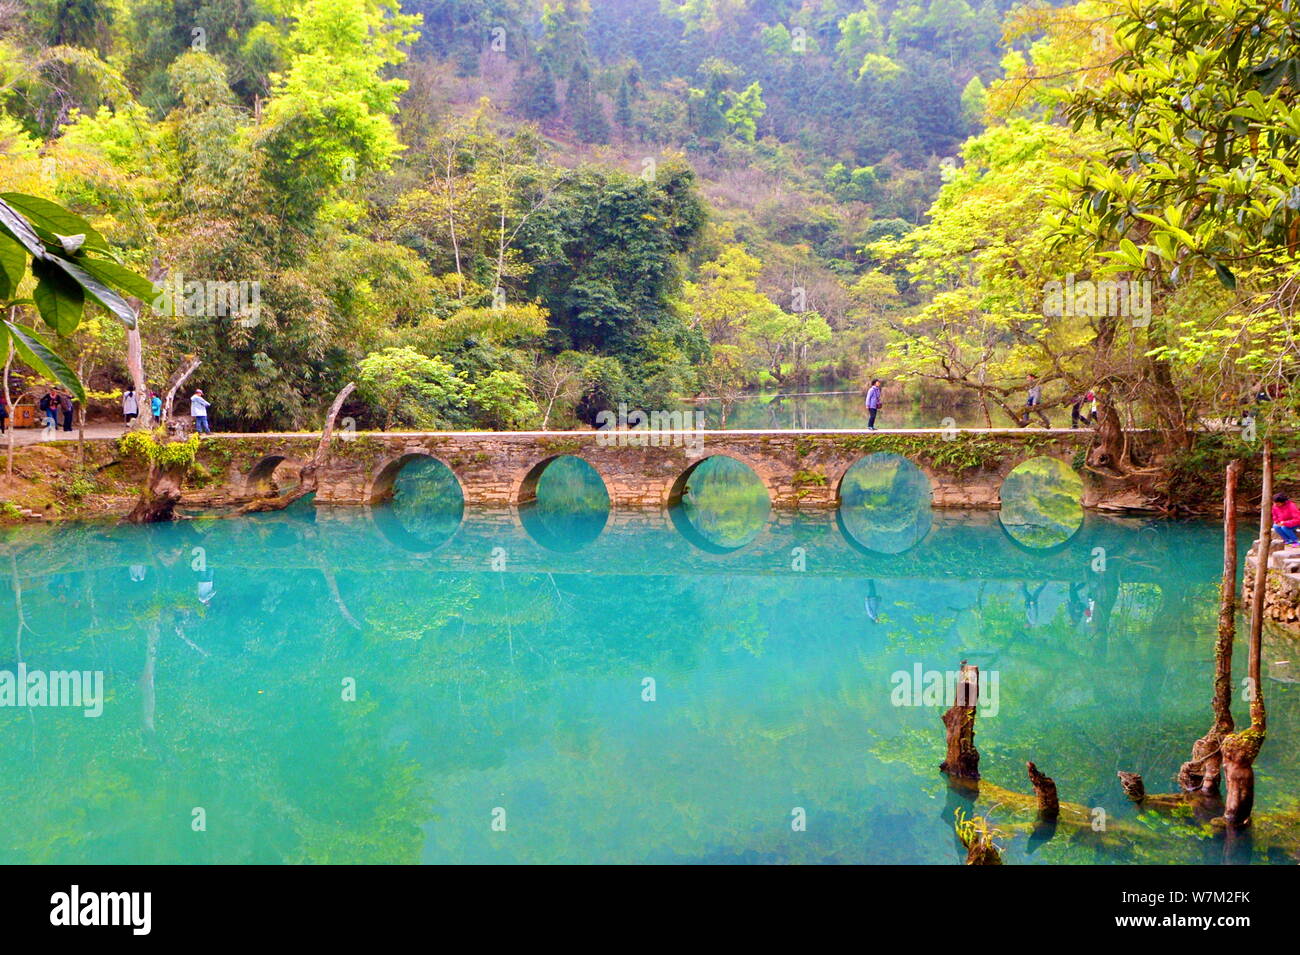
pixel 1286 518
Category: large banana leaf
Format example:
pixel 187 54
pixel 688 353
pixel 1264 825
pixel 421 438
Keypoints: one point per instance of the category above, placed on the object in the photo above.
pixel 40 357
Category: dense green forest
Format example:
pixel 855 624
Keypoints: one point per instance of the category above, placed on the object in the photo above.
pixel 510 213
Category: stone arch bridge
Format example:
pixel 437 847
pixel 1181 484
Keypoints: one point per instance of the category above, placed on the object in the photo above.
pixel 648 470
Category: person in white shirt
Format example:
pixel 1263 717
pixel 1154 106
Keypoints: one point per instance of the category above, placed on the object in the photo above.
pixel 130 407
pixel 199 409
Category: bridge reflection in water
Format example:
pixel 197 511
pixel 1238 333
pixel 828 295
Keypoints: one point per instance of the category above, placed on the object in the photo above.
pixel 720 507
pixel 493 664
pixel 722 523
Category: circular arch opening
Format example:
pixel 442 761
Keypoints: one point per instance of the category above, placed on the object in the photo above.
pixel 719 504
pixel 885 503
pixel 272 476
pixel 1042 503
pixel 563 503
pixel 422 503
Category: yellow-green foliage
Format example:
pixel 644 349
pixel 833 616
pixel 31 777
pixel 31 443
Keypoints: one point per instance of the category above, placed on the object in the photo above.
pixel 976 829
pixel 144 446
pixel 137 445
pixel 178 455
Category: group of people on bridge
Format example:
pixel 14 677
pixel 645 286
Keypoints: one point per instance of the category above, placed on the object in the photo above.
pixel 131 403
pixel 1083 406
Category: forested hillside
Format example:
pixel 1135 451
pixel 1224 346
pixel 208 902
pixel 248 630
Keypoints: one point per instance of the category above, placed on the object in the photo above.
pixel 512 213
pixel 493 211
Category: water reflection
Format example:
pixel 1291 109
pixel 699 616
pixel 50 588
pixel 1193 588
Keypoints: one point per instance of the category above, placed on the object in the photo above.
pixel 885 503
pixel 426 507
pixel 1042 503
pixel 522 689
pixel 570 507
pixel 720 504
pixel 843 407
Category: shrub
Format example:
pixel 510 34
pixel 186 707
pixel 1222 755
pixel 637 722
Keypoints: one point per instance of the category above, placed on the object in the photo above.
pixel 79 487
pixel 143 446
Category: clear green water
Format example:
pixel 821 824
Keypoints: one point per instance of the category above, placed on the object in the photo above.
pixel 498 668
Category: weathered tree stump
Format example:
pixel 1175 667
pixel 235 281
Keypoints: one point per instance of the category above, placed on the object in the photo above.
pixel 158 497
pixel 1240 750
pixel 963 759
pixel 1133 785
pixel 1049 806
pixel 1239 753
pixel 1201 772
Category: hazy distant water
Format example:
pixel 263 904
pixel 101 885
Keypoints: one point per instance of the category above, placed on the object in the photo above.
pixel 848 410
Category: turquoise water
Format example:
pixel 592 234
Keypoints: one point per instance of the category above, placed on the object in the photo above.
pixel 621 696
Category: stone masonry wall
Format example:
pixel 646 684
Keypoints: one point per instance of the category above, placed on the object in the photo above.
pixel 800 469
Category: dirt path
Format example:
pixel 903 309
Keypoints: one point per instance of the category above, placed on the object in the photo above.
pixel 26 436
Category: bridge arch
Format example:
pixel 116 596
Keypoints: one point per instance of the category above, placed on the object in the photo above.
pixel 257 482
pixel 720 539
pixel 525 487
pixel 677 487
pixel 572 518
pixel 884 503
pixel 1041 503
pixel 432 520
pixel 384 477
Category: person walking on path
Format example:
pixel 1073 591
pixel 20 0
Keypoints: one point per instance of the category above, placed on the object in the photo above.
pixel 873 403
pixel 199 409
pixel 46 404
pixel 130 407
pixel 65 405
pixel 1034 402
pixel 1083 410
pixel 155 406
pixel 1077 413
pixel 1286 518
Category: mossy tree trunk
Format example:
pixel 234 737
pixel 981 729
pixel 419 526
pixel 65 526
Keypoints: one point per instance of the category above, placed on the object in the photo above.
pixel 1201 772
pixel 159 495
pixel 1240 749
pixel 164 483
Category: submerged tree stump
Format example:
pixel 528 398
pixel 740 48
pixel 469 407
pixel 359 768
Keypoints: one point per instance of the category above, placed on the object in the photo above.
pixel 1049 806
pixel 962 760
pixel 983 852
pixel 1239 753
pixel 1240 750
pixel 1201 772
pixel 1133 786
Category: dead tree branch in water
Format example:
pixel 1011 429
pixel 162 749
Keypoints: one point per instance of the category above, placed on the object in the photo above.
pixel 309 475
